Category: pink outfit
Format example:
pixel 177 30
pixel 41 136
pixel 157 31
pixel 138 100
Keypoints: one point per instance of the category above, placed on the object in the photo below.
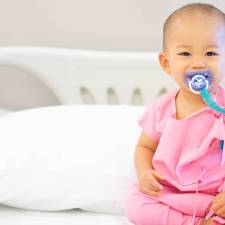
pixel 190 157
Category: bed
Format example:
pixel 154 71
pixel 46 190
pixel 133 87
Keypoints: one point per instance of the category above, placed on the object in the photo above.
pixel 103 86
pixel 83 76
pixel 9 216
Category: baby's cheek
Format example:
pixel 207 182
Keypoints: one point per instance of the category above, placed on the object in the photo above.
pixel 220 71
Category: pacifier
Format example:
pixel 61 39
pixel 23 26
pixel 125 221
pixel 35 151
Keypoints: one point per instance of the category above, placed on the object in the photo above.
pixel 198 83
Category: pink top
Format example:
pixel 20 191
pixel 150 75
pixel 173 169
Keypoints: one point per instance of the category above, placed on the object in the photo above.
pixel 189 153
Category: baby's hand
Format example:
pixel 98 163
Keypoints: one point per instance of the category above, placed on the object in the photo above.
pixel 148 182
pixel 218 206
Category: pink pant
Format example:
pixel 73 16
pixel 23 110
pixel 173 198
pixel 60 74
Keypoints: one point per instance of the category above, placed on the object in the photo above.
pixel 142 210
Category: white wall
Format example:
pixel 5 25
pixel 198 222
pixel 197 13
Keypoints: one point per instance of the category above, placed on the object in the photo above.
pixel 93 24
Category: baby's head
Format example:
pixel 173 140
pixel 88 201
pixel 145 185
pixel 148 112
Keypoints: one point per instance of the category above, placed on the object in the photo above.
pixel 194 40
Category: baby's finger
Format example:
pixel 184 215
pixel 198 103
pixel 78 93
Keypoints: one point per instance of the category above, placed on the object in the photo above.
pixel 217 205
pixel 154 193
pixel 157 175
pixel 151 192
pixel 220 211
pixel 150 184
pixel 155 185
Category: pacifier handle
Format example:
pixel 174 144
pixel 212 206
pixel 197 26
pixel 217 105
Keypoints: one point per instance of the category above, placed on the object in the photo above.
pixel 210 102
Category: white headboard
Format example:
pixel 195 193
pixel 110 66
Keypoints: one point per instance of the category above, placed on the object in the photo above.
pixel 92 77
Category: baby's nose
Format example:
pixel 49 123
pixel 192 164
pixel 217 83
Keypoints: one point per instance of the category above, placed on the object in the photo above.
pixel 198 64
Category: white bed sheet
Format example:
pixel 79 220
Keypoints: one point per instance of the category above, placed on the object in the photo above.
pixel 14 216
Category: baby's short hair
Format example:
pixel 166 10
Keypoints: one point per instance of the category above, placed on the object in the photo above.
pixel 190 8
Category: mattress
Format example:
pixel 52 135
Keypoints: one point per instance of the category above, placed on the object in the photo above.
pixel 14 216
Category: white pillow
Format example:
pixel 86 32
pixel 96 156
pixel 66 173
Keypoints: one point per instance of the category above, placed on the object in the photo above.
pixel 65 157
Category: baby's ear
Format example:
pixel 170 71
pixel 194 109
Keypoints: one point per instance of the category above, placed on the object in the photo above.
pixel 164 62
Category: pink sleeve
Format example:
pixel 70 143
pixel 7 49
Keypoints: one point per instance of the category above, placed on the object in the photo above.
pixel 148 122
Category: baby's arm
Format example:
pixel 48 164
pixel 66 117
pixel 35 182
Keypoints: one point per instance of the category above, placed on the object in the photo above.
pixel 145 150
pixel 148 177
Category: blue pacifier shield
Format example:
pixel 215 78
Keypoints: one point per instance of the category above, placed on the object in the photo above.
pixel 196 81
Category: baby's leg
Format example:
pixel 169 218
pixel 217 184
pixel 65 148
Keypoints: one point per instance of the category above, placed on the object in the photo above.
pixel 142 210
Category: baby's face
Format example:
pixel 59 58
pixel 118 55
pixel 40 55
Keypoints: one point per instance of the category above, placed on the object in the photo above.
pixel 196 43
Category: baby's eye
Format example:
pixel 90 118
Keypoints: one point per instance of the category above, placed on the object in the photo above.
pixel 184 54
pixel 211 53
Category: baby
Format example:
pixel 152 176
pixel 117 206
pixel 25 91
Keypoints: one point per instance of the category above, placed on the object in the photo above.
pixel 179 157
